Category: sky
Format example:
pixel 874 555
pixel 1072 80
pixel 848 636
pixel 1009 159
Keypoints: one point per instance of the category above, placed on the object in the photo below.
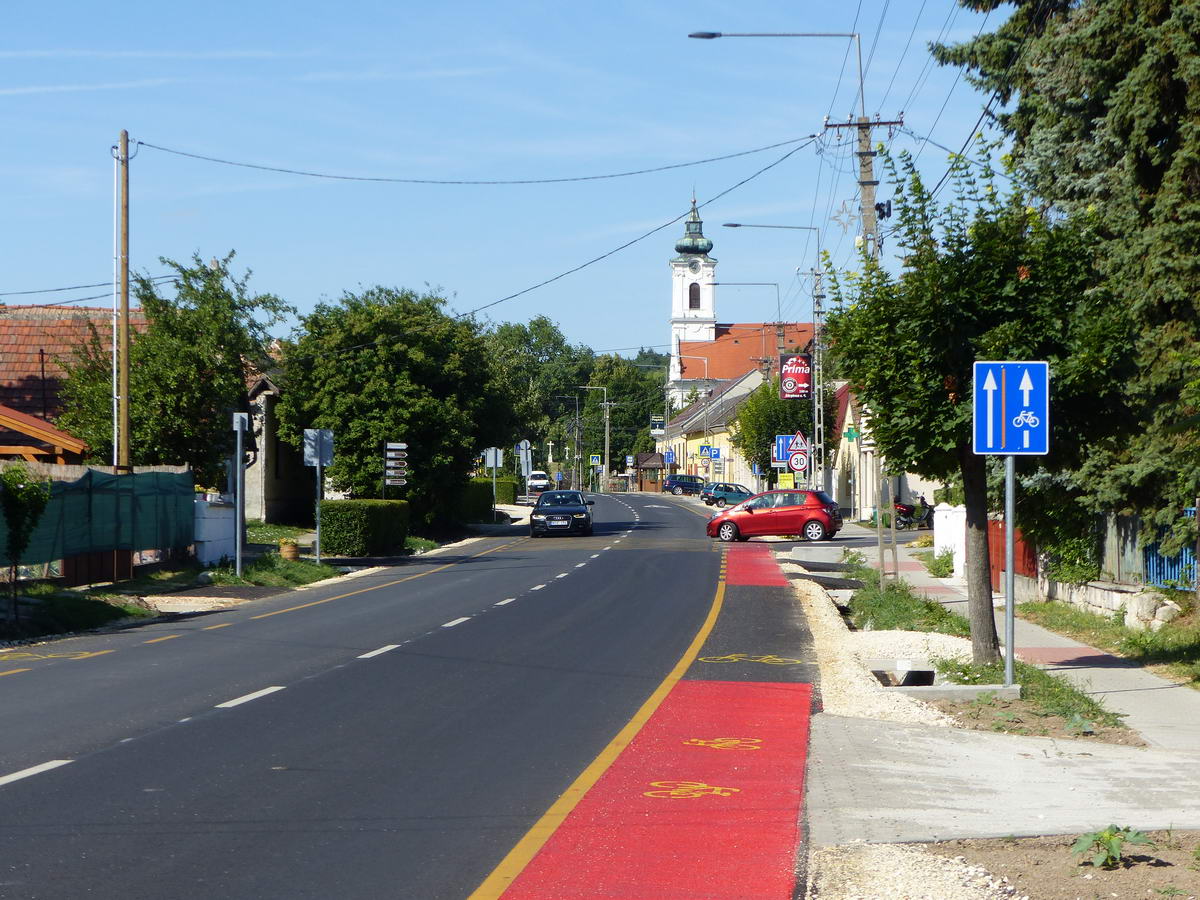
pixel 465 91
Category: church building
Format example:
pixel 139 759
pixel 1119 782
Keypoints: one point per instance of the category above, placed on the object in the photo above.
pixel 704 352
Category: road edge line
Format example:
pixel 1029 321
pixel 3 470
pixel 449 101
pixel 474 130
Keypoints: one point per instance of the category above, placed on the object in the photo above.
pixel 514 863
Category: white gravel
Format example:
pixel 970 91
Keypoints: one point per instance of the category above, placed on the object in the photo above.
pixel 881 871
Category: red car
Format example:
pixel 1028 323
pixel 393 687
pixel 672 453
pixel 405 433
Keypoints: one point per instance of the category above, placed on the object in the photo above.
pixel 812 514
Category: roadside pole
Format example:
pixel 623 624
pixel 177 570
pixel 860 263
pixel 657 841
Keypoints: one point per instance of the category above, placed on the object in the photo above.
pixel 318 451
pixel 240 421
pixel 998 389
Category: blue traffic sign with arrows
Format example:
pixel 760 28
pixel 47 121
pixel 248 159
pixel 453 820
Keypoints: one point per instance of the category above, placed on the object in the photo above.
pixel 1011 408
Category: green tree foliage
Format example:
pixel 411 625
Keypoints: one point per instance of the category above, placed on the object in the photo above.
pixel 634 393
pixel 390 365
pixel 187 369
pixel 23 498
pixel 1105 116
pixel 765 415
pixel 539 368
pixel 985 278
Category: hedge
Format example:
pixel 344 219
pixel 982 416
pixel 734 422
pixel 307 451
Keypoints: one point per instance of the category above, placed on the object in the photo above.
pixel 363 527
pixel 506 490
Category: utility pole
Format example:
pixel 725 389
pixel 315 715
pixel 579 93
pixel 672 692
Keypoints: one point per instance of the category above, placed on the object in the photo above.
pixel 123 325
pixel 866 175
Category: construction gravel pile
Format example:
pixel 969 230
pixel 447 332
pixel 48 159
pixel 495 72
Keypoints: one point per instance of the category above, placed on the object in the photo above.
pixel 882 871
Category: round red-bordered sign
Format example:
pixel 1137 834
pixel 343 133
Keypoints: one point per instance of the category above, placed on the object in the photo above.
pixel 798 461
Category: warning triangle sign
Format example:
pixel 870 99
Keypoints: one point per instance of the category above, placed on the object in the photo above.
pixel 798 442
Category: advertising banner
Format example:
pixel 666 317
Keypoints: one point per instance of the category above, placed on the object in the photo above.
pixel 795 376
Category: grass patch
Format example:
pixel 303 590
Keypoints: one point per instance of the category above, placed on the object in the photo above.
pixel 259 532
pixel 1052 696
pixel 271 570
pixel 939 565
pixel 64 612
pixel 414 544
pixel 1175 647
pixel 895 607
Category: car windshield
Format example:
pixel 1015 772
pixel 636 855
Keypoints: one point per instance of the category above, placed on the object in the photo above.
pixel 561 498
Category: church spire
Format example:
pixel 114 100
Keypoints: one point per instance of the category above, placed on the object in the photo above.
pixel 693 241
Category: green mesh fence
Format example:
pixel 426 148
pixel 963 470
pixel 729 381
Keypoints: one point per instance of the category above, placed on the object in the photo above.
pixel 146 511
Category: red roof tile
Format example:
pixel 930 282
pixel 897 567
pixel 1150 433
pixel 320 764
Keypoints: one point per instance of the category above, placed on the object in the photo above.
pixel 34 338
pixel 739 347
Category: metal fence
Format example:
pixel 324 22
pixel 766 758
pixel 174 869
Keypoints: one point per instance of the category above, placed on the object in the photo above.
pixel 1177 571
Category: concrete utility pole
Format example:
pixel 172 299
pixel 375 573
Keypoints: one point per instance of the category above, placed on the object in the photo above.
pixel 866 176
pixel 123 324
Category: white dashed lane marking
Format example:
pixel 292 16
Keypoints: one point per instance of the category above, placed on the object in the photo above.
pixel 238 701
pixel 34 770
pixel 595 556
pixel 580 565
pixel 380 651
pixel 505 601
pixel 457 621
pixel 562 575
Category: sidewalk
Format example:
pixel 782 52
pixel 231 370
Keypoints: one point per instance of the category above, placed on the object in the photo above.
pixel 879 781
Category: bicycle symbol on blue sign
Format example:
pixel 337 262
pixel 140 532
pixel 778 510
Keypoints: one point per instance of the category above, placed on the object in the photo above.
pixel 1011 408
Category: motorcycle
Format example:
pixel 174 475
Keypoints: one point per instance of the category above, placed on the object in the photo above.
pixel 908 517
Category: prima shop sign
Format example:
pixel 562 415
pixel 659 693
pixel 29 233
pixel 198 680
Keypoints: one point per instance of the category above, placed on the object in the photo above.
pixel 795 376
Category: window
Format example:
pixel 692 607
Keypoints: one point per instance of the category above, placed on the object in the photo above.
pixel 694 295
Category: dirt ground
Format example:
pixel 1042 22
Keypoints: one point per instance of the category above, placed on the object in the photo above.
pixel 1022 717
pixel 1043 868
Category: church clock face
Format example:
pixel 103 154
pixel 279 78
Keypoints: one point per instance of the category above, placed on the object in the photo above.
pixel 694 265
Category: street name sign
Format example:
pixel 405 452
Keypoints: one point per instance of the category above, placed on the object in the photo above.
pixel 1011 408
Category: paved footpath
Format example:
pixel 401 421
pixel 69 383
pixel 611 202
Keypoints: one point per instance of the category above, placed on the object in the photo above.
pixel 879 781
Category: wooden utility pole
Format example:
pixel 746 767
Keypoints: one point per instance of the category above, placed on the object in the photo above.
pixel 123 464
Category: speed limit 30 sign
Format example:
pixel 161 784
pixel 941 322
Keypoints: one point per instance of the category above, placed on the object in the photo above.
pixel 798 461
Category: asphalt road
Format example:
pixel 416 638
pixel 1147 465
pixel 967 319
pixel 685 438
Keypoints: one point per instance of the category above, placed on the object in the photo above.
pixel 393 734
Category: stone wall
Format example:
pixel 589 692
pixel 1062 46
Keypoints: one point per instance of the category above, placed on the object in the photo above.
pixel 1140 608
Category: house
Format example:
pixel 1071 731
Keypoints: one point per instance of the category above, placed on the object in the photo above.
pixel 709 423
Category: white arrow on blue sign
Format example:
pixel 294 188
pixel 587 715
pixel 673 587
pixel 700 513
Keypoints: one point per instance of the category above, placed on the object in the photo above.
pixel 669 457
pixel 1011 408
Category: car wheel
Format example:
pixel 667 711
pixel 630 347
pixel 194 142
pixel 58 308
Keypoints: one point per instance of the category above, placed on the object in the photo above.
pixel 728 532
pixel 677 491
pixel 814 530
pixel 720 502
pixel 831 535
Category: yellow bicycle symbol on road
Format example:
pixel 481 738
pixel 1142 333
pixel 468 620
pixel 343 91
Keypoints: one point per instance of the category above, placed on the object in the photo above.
pixel 689 790
pixel 768 659
pixel 725 743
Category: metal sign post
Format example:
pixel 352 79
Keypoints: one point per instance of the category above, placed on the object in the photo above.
pixel 1011 412
pixel 241 421
pixel 318 451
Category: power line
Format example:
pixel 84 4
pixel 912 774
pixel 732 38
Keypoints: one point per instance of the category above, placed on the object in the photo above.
pixel 74 287
pixel 903 54
pixel 377 179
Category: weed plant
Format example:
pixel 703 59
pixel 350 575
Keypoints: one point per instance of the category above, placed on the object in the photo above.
pixel 1105 848
pixel 259 532
pixel 895 607
pixel 272 570
pixel 940 565
pixel 1053 696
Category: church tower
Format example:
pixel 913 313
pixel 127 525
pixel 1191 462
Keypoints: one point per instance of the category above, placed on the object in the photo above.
pixel 693 296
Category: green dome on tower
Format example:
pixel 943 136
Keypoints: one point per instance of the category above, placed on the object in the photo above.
pixel 693 241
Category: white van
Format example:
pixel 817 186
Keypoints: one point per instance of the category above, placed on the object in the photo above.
pixel 538 481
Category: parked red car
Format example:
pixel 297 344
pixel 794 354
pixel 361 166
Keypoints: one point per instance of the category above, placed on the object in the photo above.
pixel 812 514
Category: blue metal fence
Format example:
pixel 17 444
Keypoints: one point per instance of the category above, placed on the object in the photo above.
pixel 1177 571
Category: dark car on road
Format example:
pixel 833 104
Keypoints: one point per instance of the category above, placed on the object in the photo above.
pixel 561 512
pixel 810 514
pixel 682 484
pixel 724 493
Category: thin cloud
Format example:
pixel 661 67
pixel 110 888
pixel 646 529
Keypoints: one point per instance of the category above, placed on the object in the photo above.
pixel 395 75
pixel 148 54
pixel 73 88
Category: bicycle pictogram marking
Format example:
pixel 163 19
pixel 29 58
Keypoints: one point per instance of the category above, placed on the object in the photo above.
pixel 688 790
pixel 769 659
pixel 1026 418
pixel 725 743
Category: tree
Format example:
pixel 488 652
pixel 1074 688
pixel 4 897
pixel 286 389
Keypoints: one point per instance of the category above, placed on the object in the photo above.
pixel 1105 116
pixel 634 393
pixel 765 415
pixel 24 499
pixel 389 364
pixel 985 277
pixel 538 368
pixel 187 370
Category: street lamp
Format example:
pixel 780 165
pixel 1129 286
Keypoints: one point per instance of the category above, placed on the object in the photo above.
pixel 707 386
pixel 817 448
pixel 588 387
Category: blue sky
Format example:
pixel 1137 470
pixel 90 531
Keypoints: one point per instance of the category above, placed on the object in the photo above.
pixel 459 91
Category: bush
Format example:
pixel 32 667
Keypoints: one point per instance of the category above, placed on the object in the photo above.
pixel 363 527
pixel 475 505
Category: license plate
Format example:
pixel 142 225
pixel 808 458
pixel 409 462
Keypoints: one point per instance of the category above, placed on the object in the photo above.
pixel 560 521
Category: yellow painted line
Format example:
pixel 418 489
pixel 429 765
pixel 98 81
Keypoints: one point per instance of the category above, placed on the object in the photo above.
pixel 12 672
pixel 157 640
pixel 527 848
pixel 377 587
pixel 93 653
pixel 215 627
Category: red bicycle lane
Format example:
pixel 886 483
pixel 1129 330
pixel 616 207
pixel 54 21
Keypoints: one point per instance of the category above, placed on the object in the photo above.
pixel 705 800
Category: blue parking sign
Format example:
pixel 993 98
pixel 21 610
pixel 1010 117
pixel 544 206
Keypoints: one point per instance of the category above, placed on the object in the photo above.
pixel 1011 408
pixel 669 457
